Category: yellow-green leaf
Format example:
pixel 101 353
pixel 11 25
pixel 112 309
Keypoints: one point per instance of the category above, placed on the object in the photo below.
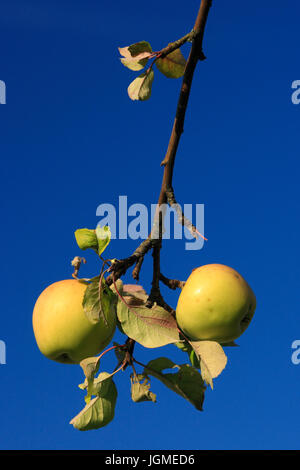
pixel 140 389
pixel 103 235
pixel 136 49
pixel 99 411
pixel 211 357
pixel 187 381
pixel 99 303
pixel 140 88
pixel 135 56
pixel 90 366
pixel 173 65
pixel 86 238
pixel 151 327
pixel 135 64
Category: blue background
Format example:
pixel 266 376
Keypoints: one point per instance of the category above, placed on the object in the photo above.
pixel 71 139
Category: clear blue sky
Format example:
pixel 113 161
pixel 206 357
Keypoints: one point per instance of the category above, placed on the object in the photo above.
pixel 71 139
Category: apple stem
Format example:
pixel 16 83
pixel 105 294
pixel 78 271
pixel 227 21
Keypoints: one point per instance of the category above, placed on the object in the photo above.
pixel 180 332
pixel 106 351
pixel 76 262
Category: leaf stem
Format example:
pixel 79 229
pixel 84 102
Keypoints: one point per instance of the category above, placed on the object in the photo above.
pixel 106 351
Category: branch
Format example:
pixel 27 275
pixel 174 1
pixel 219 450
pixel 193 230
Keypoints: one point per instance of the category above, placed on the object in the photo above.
pixel 120 267
pixel 129 352
pixel 176 44
pixel 195 54
pixel 182 219
pixel 171 283
pixel 155 295
pixel 136 271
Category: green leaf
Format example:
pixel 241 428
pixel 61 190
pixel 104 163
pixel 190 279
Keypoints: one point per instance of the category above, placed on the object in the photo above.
pixel 140 88
pixel 96 239
pixel 211 357
pixel 136 49
pixel 103 235
pixel 186 382
pixel 90 366
pixel 86 238
pixel 99 302
pixel 194 359
pixel 173 65
pixel 205 373
pixel 134 294
pixel 151 327
pixel 135 64
pixel 96 386
pixel 140 391
pixel 101 384
pixel 161 363
pixel 183 346
pixel 119 286
pixel 136 55
pixel 99 411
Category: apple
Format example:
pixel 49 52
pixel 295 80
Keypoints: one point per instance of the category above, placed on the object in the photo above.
pixel 216 304
pixel 62 331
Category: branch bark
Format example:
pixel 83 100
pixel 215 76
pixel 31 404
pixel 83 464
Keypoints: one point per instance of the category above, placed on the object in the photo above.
pixel 171 283
pixel 119 268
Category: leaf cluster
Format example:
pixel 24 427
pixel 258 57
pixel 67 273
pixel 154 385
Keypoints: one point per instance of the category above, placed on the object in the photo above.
pixel 152 328
pixel 136 57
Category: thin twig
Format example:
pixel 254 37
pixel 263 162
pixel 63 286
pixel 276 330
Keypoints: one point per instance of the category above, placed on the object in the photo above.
pixel 137 269
pixel 155 295
pixel 171 283
pixel 182 219
pixel 177 44
pixel 130 343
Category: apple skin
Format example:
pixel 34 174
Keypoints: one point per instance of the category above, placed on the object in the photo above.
pixel 62 331
pixel 216 304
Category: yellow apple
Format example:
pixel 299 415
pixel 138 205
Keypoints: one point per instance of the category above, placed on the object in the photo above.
pixel 62 331
pixel 215 304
